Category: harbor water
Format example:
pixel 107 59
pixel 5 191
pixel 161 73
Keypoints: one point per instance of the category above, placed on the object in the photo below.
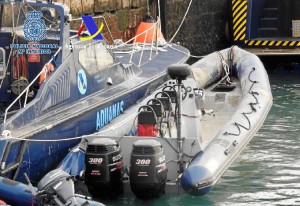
pixel 268 170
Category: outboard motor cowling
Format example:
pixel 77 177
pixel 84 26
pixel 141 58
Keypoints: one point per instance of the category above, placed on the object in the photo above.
pixel 148 171
pixel 57 188
pixel 104 168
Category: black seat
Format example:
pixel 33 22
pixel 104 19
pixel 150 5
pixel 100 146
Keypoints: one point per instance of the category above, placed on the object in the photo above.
pixel 147 122
pixel 165 99
pixel 147 115
pixel 157 106
pixel 171 92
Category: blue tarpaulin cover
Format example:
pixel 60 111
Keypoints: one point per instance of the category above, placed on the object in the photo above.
pixel 73 163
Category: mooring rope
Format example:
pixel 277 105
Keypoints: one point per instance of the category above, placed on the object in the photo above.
pixel 225 67
pixel 7 136
pixel 188 54
pixel 183 19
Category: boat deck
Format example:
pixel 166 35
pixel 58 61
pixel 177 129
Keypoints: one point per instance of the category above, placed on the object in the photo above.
pixel 211 126
pixel 224 105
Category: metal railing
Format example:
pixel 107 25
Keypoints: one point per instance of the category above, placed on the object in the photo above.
pixel 26 90
pixel 155 27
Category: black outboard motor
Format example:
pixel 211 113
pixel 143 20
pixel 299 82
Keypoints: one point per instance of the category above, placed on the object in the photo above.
pixel 148 171
pixel 104 168
pixel 56 188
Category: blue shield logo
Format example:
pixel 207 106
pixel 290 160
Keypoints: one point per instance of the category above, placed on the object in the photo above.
pixel 34 27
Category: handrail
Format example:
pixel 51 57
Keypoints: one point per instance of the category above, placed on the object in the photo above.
pixel 155 26
pixel 26 90
pixel 143 48
pixel 133 38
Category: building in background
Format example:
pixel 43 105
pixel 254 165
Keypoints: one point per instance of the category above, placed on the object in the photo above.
pixel 265 27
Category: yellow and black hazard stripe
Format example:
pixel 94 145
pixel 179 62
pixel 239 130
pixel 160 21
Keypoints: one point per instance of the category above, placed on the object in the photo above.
pixel 239 23
pixel 239 15
pixel 271 43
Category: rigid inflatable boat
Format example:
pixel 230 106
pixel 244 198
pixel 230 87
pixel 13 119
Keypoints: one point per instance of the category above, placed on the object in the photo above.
pixel 183 136
pixel 180 138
